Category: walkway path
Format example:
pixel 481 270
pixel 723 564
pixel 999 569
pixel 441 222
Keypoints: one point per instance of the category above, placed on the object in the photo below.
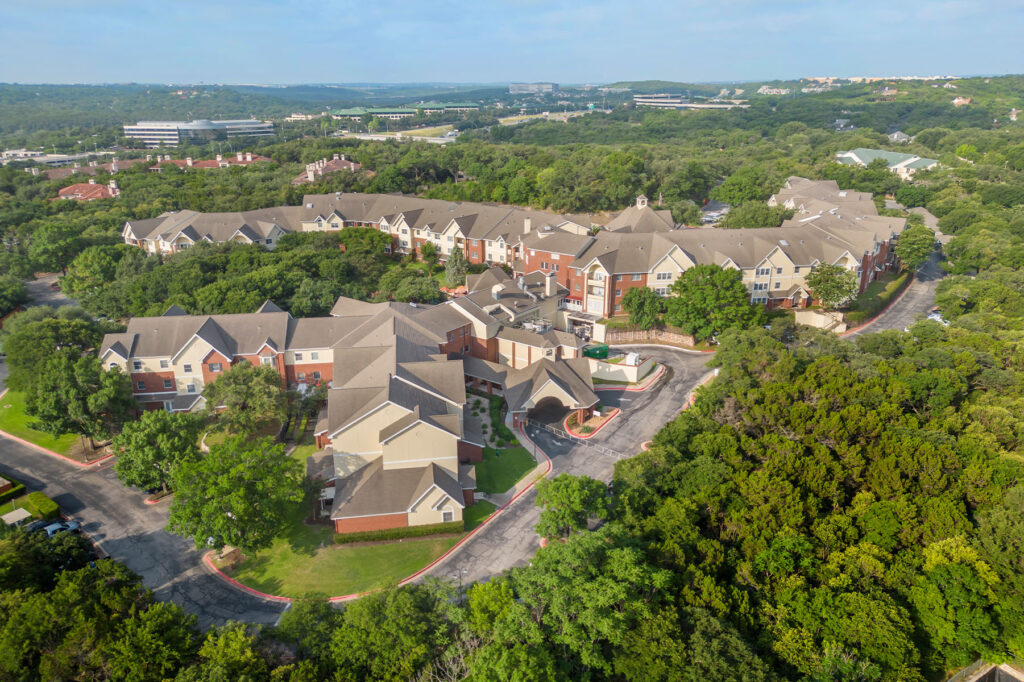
pixel 509 540
pixel 41 292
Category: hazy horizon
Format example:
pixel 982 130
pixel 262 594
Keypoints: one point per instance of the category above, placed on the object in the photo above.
pixel 455 42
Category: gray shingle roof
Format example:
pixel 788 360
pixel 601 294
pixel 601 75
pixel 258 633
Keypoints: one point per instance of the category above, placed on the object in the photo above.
pixel 374 491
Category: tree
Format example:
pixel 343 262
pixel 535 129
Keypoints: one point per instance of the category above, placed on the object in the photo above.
pixel 707 300
pixel 245 398
pixel 54 246
pixel 755 214
pixel 152 644
pixel 408 283
pixel 644 307
pixel 313 297
pixel 12 294
pixel 31 345
pixel 429 255
pixel 76 395
pixel 915 245
pixel 455 268
pixel 227 653
pixel 568 502
pixel 832 285
pixel 748 183
pixel 149 449
pixel 240 494
pixel 94 267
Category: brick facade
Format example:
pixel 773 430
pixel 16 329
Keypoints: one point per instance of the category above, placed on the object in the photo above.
pixel 153 382
pixel 291 372
pixel 365 523
pixel 469 453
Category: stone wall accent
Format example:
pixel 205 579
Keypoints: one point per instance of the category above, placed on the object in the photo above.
pixel 615 337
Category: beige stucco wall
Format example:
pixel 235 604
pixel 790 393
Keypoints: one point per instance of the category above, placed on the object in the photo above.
pixel 550 390
pixel 324 355
pixel 420 445
pixel 364 436
pixel 620 371
pixel 424 512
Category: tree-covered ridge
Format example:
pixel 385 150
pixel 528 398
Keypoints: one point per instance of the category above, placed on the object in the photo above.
pixel 828 496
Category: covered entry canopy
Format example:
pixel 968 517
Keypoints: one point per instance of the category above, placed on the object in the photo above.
pixel 16 517
pixel 567 381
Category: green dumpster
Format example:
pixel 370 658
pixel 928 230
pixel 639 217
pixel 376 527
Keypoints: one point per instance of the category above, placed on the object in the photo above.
pixel 597 351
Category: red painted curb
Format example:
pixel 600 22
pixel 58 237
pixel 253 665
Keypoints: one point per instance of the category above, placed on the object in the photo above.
pixel 499 510
pixel 643 387
pixel 165 497
pixel 244 588
pixel 593 433
pixel 646 445
pixel 906 288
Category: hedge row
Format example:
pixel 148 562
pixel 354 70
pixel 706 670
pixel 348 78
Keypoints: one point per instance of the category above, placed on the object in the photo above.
pixel 17 491
pixel 43 505
pixel 398 533
pixel 868 307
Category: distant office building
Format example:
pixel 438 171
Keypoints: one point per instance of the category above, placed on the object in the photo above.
pixel 669 101
pixel 903 165
pixel 172 133
pixel 532 88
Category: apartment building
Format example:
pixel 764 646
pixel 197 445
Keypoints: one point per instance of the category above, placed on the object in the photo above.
pixel 179 230
pixel 221 161
pixel 172 133
pixel 318 169
pixel 88 191
pixel 532 88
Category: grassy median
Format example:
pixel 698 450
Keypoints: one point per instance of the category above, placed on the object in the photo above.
pixel 14 421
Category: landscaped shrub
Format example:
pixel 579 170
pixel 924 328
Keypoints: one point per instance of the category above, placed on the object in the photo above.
pixel 586 429
pixel 17 491
pixel 868 306
pixel 43 505
pixel 398 533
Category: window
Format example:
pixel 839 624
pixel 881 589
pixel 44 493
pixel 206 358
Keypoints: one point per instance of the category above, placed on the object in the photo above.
pixel 405 242
pixel 797 269
pixel 298 357
pixel 554 267
pixel 760 286
pixel 618 278
pixel 598 277
pixel 140 385
pixel 759 299
pixel 663 276
pixel 191 388
pixel 578 286
pixel 163 364
pixel 618 308
pixel 465 349
pixel 761 272
pixel 316 376
pixel 476 242
pixel 778 285
pixel 451 336
pixel 636 277
pixel 618 292
pixel 271 241
pixel 661 291
pixel 136 365
pixel 543 265
pixel 302 376
pixel 168 406
pixel 387 249
pixel 266 360
pixel 405 230
pixel 314 355
pixel 532 253
pixel 778 271
pixel 555 256
pixel 447 516
pixel 187 369
pixel 451 239
pixel 216 367
pixel 112 365
pixel 167 383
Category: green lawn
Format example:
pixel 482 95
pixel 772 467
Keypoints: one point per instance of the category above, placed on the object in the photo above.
pixel 477 513
pixel 306 561
pixel 22 502
pixel 14 421
pixel 302 452
pixel 502 469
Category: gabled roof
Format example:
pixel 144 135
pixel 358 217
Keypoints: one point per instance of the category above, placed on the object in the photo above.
pixel 375 491
pixel 572 376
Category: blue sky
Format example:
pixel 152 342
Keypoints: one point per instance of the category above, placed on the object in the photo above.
pixel 583 41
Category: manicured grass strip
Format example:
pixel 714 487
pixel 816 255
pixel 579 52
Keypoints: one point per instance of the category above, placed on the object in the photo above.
pixel 14 421
pixel 877 295
pixel 306 561
pixel 302 452
pixel 477 513
pixel 502 469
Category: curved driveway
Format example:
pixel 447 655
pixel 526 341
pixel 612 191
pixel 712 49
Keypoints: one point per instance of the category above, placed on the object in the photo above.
pixel 509 539
pixel 132 532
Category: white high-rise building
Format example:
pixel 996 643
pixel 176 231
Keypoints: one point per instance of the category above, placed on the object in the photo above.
pixel 172 133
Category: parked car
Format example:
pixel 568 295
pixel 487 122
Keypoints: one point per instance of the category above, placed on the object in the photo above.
pixel 62 527
pixel 37 525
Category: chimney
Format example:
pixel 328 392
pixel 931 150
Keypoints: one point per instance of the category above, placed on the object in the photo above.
pixel 149 157
pixel 641 201
pixel 188 161
pixel 77 165
pixel 92 181
pixel 550 283
pixel 311 175
pixel 496 291
pixel 336 157
pixel 344 159
pixel 239 156
pixel 35 171
pixel 248 156
pixel 220 158
pixel 527 224
pixel 112 185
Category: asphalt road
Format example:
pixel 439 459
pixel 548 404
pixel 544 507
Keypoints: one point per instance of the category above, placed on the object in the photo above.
pixel 509 540
pixel 916 302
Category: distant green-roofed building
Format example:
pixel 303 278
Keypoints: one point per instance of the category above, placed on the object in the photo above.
pixel 904 165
